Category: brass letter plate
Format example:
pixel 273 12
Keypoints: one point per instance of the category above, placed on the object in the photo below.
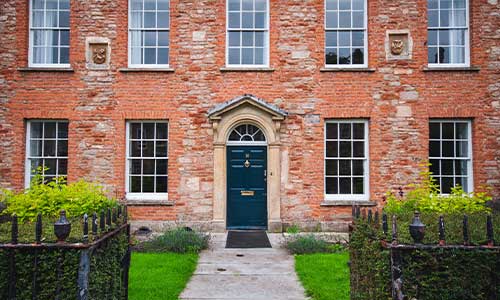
pixel 247 193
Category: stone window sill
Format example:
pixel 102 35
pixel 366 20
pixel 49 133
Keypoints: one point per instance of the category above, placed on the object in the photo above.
pixel 131 70
pixel 146 202
pixel 327 203
pixel 369 70
pixel 35 69
pixel 235 69
pixel 452 69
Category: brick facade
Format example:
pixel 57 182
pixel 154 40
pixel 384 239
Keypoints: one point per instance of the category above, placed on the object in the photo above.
pixel 398 98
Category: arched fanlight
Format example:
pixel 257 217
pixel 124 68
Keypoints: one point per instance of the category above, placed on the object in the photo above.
pixel 247 133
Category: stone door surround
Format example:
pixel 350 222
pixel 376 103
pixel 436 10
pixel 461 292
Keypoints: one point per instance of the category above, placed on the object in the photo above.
pixel 247 109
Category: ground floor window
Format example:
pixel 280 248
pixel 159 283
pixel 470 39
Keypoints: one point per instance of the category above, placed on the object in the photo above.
pixel 450 154
pixel 346 160
pixel 46 149
pixel 147 160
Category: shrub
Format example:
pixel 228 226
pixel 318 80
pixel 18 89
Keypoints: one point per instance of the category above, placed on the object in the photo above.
pixel 178 240
pixel 310 244
pixel 425 197
pixel 49 198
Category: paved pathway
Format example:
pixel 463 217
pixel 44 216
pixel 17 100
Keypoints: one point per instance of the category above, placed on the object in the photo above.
pixel 244 274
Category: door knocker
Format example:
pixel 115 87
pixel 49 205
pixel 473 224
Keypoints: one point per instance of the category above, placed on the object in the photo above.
pixel 247 164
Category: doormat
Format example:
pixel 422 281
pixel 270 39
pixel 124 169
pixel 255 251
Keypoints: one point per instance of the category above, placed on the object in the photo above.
pixel 247 239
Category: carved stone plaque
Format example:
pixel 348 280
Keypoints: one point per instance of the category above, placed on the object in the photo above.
pixel 98 52
pixel 398 45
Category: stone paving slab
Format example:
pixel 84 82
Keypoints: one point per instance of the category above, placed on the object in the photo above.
pixel 244 274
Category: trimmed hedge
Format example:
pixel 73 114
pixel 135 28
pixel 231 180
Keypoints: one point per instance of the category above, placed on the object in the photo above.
pixel 105 280
pixel 431 274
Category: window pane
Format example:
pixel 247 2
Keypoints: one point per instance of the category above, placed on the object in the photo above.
pixel 234 38
pixel 161 184
pixel 259 56
pixel 135 184
pixel 358 185
pixel 136 56
pixel 163 4
pixel 344 4
pixel 358 130
pixel 458 56
pixel 259 39
pixel 446 185
pixel 462 149
pixel 234 5
pixel 62 167
pixel 247 38
pixel 357 167
pixel 62 148
pixel 444 18
pixel 434 167
pixel 345 149
pixel 247 4
pixel 148 166
pixel 345 130
pixel 149 20
pixel 433 18
pixel 445 4
pixel 247 20
pixel 150 56
pixel 344 19
pixel 234 56
pixel 51 4
pixel 358 20
pixel 432 4
pixel 345 185
pixel 358 56
pixel 135 149
pixel 461 131
pixel 50 18
pixel 331 130
pixel 148 183
pixel 358 38
pixel 148 130
pixel 162 167
pixel 234 20
pixel 358 149
pixel 136 20
pixel 331 185
pixel 332 149
pixel 64 40
pixel 260 5
pixel 448 130
pixel 36 129
pixel 332 19
pixel 63 18
pixel 136 4
pixel 432 37
pixel 331 167
pixel 461 167
pixel 434 149
pixel 434 130
pixel 447 167
pixel 344 56
pixel 36 148
pixel 459 18
pixel 260 20
pixel 432 55
pixel 247 56
pixel 459 3
pixel 136 166
pixel 345 167
pixel 161 149
pixel 163 38
pixel 149 4
pixel 463 182
pixel 51 166
pixel 332 4
pixel 448 149
pixel 148 149
pixel 38 19
pixel 331 38
pixel 150 38
pixel 49 130
pixel 38 4
pixel 331 56
pixel 163 20
pixel 162 131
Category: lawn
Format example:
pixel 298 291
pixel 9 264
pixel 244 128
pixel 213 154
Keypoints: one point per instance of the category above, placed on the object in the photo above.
pixel 324 276
pixel 160 276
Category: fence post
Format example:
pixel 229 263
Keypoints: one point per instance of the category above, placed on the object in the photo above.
pixel 83 275
pixel 370 216
pixel 489 231
pixel 394 230
pixel 15 230
pixel 108 218
pixel 385 226
pixel 85 228
pixel 38 229
pixel 101 221
pixel 94 226
pixel 442 236
pixel 466 230
pixel 396 272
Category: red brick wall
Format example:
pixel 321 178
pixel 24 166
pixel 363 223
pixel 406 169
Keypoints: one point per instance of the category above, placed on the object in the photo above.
pixel 97 103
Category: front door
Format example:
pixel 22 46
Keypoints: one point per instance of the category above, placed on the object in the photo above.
pixel 246 187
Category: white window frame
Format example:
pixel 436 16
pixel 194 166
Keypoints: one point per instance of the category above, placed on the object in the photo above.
pixel 147 66
pixel 143 196
pixel 366 164
pixel 469 159
pixel 267 30
pixel 31 64
pixel 466 36
pixel 365 42
pixel 28 157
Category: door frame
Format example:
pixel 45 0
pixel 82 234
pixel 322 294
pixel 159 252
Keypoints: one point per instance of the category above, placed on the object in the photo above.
pixel 242 145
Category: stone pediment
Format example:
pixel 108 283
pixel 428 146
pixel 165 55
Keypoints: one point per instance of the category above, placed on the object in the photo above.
pixel 246 100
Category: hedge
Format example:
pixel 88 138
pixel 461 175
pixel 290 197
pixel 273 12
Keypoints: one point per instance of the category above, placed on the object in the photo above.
pixel 428 273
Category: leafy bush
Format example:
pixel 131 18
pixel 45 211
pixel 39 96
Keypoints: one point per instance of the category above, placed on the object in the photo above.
pixel 425 197
pixel 310 244
pixel 49 198
pixel 178 240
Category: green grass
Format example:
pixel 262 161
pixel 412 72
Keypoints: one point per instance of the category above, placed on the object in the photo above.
pixel 324 276
pixel 160 276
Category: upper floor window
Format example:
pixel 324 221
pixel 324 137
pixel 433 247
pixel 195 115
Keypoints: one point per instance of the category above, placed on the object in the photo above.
pixel 49 33
pixel 448 32
pixel 346 160
pixel 147 160
pixel 450 154
pixel 345 33
pixel 47 148
pixel 247 33
pixel 149 30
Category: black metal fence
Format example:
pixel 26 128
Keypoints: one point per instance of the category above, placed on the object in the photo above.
pixel 99 231
pixel 417 230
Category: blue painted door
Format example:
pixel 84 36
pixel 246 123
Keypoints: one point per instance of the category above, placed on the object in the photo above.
pixel 246 187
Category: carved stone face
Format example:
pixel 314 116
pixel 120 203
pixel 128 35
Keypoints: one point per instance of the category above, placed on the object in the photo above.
pixel 397 47
pixel 99 54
